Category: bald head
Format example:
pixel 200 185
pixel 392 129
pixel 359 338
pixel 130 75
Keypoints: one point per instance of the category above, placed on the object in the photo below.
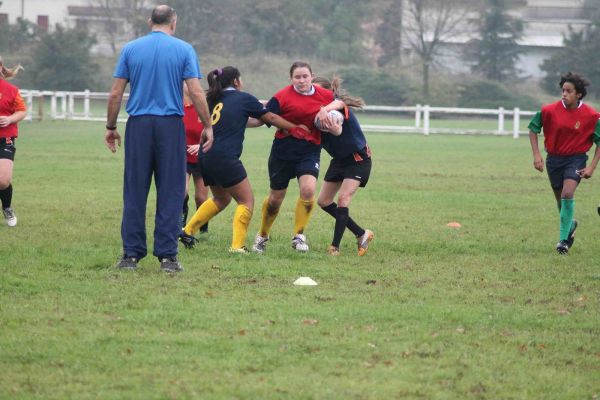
pixel 163 15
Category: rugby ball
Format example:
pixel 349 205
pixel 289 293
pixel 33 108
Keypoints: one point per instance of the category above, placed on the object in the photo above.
pixel 337 116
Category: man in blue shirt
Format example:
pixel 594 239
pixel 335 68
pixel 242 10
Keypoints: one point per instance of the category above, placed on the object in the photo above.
pixel 155 66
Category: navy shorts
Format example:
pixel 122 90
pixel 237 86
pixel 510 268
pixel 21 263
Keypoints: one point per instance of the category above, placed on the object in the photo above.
pixel 564 167
pixel 7 148
pixel 222 171
pixel 282 171
pixel 347 168
pixel 194 169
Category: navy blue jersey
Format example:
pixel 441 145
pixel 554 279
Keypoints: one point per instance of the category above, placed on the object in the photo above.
pixel 349 142
pixel 229 118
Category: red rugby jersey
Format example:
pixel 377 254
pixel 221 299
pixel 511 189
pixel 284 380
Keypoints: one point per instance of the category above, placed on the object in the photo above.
pixel 301 109
pixel 193 129
pixel 568 132
pixel 10 102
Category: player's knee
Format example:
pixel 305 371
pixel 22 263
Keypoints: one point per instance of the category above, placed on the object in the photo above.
pixel 344 200
pixel 4 182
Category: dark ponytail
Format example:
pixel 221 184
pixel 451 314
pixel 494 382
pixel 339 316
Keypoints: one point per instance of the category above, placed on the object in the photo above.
pixel 218 80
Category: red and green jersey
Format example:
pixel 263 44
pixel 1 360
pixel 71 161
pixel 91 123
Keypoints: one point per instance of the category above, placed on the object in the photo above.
pixel 567 132
pixel 10 102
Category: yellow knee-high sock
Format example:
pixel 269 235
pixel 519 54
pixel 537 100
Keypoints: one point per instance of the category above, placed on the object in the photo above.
pixel 207 210
pixel 268 217
pixel 304 210
pixel 241 220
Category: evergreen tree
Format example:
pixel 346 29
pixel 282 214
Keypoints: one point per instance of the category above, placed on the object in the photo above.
pixel 61 61
pixel 580 53
pixel 389 34
pixel 497 50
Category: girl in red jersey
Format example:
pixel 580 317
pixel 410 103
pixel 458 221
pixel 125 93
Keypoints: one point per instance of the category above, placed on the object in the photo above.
pixel 295 156
pixel 570 127
pixel 193 132
pixel 12 110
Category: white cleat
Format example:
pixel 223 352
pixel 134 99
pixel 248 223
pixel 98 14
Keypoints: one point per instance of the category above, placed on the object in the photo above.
pixel 9 217
pixel 299 243
pixel 260 244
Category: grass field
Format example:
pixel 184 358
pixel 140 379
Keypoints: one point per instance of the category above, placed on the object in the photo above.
pixel 488 311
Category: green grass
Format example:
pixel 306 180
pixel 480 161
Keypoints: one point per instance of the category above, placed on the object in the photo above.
pixel 487 311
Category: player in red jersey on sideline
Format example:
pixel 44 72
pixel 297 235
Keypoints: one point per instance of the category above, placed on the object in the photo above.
pixel 570 128
pixel 193 132
pixel 12 110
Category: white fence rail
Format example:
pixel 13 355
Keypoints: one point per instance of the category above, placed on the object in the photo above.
pixel 78 106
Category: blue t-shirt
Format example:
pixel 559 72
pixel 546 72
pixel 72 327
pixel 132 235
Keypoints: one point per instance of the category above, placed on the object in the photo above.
pixel 229 118
pixel 349 142
pixel 156 66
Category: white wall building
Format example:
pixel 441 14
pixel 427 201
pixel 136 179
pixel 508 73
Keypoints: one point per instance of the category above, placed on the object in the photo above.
pixel 46 13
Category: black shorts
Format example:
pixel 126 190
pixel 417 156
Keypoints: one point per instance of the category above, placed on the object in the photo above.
pixel 282 171
pixel 564 167
pixel 194 169
pixel 348 168
pixel 222 171
pixel 7 148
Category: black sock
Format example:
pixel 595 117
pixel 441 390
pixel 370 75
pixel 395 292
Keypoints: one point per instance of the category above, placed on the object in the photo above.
pixel 186 210
pixel 6 196
pixel 341 221
pixel 353 226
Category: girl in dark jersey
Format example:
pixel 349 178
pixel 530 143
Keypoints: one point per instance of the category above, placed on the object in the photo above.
pixel 221 167
pixel 295 156
pixel 12 110
pixel 193 132
pixel 349 169
pixel 570 127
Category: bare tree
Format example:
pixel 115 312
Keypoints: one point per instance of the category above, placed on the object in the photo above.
pixel 427 24
pixel 122 19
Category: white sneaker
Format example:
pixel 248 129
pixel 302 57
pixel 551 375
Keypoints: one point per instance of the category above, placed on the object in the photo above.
pixel 9 216
pixel 299 243
pixel 241 250
pixel 260 243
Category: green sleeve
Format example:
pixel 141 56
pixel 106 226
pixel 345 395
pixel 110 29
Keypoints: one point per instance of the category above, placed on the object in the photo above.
pixel 536 123
pixel 597 134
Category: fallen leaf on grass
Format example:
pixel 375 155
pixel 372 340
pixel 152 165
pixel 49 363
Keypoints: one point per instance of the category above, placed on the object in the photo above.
pixel 242 332
pixel 580 302
pixel 310 322
pixel 523 348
